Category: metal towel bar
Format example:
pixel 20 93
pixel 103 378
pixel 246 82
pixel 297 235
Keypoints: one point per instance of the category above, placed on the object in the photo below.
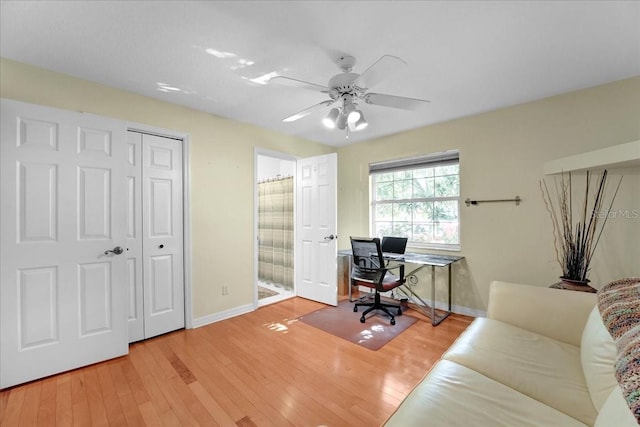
pixel 470 202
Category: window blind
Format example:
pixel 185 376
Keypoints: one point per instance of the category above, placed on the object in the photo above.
pixel 435 159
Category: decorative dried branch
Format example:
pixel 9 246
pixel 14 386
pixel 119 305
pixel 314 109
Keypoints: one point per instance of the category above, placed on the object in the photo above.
pixel 554 219
pixel 575 243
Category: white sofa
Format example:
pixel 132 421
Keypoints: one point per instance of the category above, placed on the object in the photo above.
pixel 542 357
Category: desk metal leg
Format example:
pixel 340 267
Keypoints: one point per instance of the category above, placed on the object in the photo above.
pixel 425 308
pixel 433 294
pixel 449 284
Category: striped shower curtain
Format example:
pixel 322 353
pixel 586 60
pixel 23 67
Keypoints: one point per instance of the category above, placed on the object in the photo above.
pixel 275 231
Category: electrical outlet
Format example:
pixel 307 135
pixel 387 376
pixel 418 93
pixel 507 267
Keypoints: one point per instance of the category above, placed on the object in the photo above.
pixel 225 290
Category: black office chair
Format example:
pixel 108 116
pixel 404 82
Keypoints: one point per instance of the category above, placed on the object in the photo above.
pixel 368 269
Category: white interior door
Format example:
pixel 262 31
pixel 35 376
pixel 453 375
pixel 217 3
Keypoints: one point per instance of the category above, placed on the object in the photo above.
pixel 316 266
pixel 155 238
pixel 63 300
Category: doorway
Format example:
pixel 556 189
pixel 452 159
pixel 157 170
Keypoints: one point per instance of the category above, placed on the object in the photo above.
pixel 275 219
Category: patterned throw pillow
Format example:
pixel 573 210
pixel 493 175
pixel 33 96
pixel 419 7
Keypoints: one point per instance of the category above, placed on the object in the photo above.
pixel 619 306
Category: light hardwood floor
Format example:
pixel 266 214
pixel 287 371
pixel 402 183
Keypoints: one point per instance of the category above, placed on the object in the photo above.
pixel 259 369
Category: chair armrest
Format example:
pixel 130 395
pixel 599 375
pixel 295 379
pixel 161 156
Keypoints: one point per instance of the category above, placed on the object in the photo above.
pixel 400 273
pixel 555 313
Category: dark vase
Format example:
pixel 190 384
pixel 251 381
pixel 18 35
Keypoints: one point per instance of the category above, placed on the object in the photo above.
pixel 574 285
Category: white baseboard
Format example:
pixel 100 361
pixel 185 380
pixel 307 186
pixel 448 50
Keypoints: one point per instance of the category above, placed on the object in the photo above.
pixel 227 314
pixel 248 308
pixel 458 309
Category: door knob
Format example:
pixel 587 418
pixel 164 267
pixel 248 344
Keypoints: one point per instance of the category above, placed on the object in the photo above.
pixel 330 237
pixel 117 250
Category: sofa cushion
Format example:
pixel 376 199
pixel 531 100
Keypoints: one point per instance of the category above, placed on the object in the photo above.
pixel 615 412
pixel 598 354
pixel 453 395
pixel 541 310
pixel 542 368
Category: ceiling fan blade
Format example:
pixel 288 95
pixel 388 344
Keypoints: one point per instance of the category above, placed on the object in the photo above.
pixel 380 70
pixel 394 101
pixel 288 81
pixel 307 111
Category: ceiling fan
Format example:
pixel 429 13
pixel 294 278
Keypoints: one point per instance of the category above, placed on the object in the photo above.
pixel 347 89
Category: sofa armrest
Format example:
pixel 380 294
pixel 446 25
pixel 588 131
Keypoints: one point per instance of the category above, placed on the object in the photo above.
pixel 555 313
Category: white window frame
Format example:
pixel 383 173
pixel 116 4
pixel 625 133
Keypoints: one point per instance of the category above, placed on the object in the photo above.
pixel 431 160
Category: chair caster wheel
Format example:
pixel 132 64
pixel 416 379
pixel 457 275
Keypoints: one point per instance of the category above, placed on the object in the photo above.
pixel 362 319
pixel 393 322
pixel 355 308
pixel 399 312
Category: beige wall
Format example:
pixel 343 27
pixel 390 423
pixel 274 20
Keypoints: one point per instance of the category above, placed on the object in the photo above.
pixel 222 169
pixel 502 155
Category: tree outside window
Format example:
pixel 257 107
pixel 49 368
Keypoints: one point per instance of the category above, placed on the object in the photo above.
pixel 420 203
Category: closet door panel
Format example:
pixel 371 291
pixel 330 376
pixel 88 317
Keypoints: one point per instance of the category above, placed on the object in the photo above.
pixel 134 236
pixel 162 226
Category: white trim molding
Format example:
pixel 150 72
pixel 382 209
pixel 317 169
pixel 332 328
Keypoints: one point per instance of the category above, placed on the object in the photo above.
pixel 222 315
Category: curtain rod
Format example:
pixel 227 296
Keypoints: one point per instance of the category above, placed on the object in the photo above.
pixel 277 178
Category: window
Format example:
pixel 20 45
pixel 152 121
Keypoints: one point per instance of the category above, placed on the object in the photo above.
pixel 418 198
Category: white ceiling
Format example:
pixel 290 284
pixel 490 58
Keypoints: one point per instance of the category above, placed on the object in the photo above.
pixel 466 57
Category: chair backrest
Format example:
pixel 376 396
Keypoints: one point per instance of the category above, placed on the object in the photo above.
pixel 368 262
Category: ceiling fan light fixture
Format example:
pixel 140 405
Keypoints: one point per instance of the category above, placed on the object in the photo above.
pixel 354 116
pixel 361 123
pixel 331 119
pixel 341 123
pixel 347 89
pixel 352 113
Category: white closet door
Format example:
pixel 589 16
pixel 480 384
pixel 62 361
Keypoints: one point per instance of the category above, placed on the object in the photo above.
pixel 62 299
pixel 134 236
pixel 162 235
pixel 154 235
